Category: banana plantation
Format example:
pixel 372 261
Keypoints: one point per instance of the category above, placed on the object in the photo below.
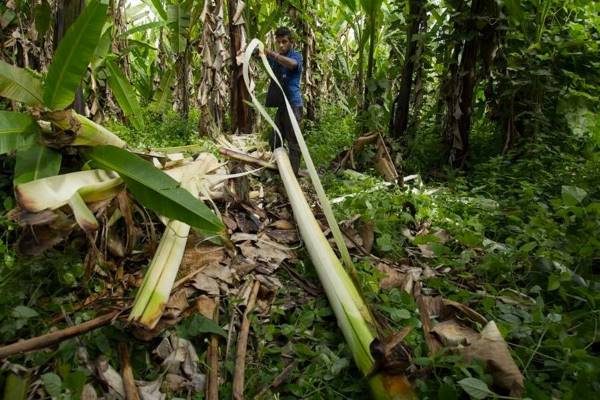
pixel 299 199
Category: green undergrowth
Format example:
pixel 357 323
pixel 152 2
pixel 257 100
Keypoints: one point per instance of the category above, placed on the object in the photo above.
pixel 517 238
pixel 523 249
pixel 163 130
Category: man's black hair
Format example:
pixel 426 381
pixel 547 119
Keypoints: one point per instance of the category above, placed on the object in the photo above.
pixel 283 31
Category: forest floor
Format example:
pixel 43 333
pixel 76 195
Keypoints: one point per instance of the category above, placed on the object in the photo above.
pixel 516 239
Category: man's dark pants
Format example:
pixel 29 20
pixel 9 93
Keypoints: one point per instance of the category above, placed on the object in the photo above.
pixel 282 120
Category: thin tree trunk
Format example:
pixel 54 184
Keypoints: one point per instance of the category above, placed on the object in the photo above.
pixel 67 12
pixel 402 100
pixel 370 64
pixel 182 81
pixel 460 105
pixel 240 112
pixel 120 43
pixel 212 91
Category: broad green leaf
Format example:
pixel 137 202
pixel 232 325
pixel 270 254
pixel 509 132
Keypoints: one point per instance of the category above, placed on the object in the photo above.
pixel 143 27
pixel 476 388
pixel 135 12
pixel 553 282
pixel 196 325
pixel 125 95
pixel 447 392
pixel 178 19
pixel 351 4
pixel 156 190
pixel 73 55
pixel 158 8
pixel 20 85
pixel 572 195
pixel 17 131
pixel 7 18
pixel 15 387
pixel 162 95
pixel 36 162
pixel 103 48
pixel 74 381
pixel 24 312
pixel 52 384
pixel 43 15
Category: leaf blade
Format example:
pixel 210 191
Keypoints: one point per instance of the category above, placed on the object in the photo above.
pixel 20 85
pixel 125 95
pixel 74 53
pixel 476 388
pixel 17 131
pixel 156 190
pixel 36 162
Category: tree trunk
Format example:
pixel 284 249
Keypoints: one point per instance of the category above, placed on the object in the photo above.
pixel 462 87
pixel 311 88
pixel 370 63
pixel 182 65
pixel 402 100
pixel 240 112
pixel 67 12
pixel 212 91
pixel 120 43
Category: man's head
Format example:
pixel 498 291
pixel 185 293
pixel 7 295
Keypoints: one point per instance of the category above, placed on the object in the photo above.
pixel 283 38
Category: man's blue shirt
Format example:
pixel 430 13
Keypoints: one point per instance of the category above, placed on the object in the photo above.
pixel 290 78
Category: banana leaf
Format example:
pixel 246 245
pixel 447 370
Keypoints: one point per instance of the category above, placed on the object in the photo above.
pixel 162 95
pixel 17 131
pixel 43 17
pixel 143 27
pixel 55 191
pixel 156 190
pixel 36 162
pixel 178 20
pixel 20 85
pixel 73 55
pixel 15 387
pixel 125 94
pixel 158 8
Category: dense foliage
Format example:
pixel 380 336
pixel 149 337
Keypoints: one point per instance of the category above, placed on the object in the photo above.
pixel 493 104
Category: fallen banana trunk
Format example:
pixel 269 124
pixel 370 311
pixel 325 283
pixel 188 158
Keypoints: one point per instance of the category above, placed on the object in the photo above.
pixel 351 312
pixel 154 293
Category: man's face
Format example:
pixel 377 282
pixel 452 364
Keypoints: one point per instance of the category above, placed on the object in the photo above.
pixel 284 44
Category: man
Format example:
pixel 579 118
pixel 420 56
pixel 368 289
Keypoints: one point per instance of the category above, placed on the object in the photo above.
pixel 287 65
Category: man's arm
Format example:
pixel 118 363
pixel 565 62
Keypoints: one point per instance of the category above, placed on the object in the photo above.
pixel 287 62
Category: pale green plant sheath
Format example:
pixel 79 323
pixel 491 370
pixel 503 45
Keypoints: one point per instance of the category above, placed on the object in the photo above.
pixel 56 191
pixel 351 311
pixel 87 132
pixel 314 177
pixel 155 290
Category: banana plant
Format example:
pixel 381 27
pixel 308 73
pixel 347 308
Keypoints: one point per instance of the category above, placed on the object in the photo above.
pixel 50 124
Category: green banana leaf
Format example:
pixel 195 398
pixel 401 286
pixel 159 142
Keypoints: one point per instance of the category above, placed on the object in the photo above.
pixel 125 94
pixel 15 387
pixel 36 162
pixel 73 55
pixel 162 95
pixel 134 13
pixel 156 190
pixel 103 48
pixel 178 19
pixel 158 7
pixel 17 131
pixel 20 85
pixel 43 17
pixel 143 27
